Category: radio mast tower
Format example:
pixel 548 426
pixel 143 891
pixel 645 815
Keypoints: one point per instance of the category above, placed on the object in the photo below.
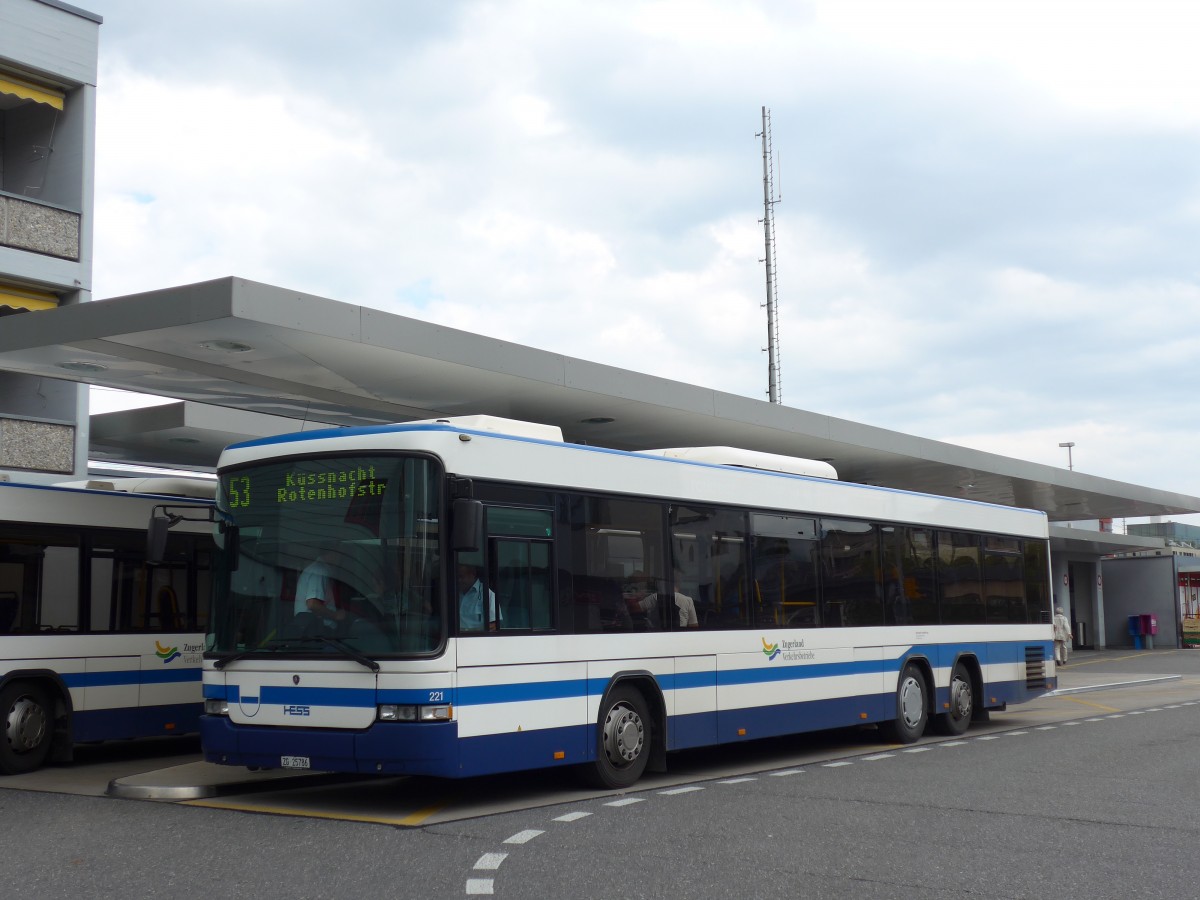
pixel 768 222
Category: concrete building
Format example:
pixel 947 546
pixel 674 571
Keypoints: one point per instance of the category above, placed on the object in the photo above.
pixel 1163 582
pixel 48 60
pixel 1176 534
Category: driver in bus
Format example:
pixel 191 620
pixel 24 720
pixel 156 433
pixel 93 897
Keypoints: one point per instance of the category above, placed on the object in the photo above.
pixel 316 590
pixel 470 604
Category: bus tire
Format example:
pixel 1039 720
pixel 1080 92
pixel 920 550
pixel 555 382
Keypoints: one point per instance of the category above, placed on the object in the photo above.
pixel 957 719
pixel 26 727
pixel 912 709
pixel 623 740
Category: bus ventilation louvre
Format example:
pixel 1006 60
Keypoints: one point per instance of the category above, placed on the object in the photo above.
pixel 1035 668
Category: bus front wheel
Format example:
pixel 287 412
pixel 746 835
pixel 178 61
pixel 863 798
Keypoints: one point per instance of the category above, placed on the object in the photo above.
pixel 912 712
pixel 26 727
pixel 624 739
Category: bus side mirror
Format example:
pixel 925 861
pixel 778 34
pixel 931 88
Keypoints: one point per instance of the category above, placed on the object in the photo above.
pixel 156 537
pixel 467 533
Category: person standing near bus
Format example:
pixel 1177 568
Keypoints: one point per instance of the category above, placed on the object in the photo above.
pixel 1062 636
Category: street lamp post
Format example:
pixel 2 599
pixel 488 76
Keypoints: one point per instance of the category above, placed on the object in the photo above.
pixel 1070 461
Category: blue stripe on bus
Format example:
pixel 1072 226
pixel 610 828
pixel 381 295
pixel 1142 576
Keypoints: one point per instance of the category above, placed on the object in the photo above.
pixel 516 693
pixel 351 698
pixel 796 673
pixel 133 676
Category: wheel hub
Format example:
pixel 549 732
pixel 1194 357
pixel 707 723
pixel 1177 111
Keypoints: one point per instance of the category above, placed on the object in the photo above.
pixel 960 699
pixel 25 726
pixel 911 702
pixel 624 734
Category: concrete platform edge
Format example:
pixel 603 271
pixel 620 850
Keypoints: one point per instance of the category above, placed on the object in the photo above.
pixel 125 789
pixel 1084 689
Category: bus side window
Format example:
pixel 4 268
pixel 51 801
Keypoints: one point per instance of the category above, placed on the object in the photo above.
pixel 519 561
pixel 709 566
pixel 40 572
pixel 786 555
pixel 959 584
pixel 9 604
pixel 852 579
pixel 523 582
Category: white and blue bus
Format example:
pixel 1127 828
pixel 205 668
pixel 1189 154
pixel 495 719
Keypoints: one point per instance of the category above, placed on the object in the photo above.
pixel 637 603
pixel 95 643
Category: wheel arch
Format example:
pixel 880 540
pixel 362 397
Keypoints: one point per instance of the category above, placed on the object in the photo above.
pixel 647 685
pixel 60 695
pixel 925 668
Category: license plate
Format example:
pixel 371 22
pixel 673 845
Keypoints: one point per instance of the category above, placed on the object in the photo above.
pixel 295 762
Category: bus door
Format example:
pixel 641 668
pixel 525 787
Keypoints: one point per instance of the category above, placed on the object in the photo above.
pixel 113 579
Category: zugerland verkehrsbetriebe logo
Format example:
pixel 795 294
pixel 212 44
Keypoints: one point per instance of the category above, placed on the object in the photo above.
pixel 166 654
pixel 789 650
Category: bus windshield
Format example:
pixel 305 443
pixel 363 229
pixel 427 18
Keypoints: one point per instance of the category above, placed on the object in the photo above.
pixel 333 554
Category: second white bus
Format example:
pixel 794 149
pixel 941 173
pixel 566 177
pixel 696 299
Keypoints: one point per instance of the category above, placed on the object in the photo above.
pixel 95 644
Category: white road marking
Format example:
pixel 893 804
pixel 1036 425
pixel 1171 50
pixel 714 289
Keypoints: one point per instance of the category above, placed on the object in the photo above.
pixel 572 817
pixel 523 837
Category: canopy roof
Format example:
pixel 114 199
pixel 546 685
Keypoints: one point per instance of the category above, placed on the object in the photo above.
pixel 269 352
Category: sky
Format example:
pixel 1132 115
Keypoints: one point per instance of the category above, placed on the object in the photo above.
pixel 986 231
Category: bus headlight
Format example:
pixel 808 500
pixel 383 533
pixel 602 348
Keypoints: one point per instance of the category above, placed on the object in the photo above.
pixel 396 712
pixel 216 707
pixel 441 713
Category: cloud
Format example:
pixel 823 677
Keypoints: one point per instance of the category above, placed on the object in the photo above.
pixel 987 233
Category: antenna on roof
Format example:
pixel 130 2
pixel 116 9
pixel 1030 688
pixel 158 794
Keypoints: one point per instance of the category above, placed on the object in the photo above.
pixel 770 198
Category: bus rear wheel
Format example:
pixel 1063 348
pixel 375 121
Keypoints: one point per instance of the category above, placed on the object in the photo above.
pixel 957 719
pixel 912 710
pixel 26 727
pixel 624 739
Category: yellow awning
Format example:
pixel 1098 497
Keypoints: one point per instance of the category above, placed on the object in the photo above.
pixel 28 90
pixel 23 298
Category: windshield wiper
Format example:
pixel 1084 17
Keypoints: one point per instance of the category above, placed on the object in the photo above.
pixel 280 643
pixel 348 651
pixel 276 643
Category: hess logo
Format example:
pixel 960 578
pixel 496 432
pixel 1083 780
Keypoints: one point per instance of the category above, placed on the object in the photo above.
pixel 296 710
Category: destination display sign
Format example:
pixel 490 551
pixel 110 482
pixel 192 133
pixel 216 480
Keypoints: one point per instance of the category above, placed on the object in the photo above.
pixel 313 483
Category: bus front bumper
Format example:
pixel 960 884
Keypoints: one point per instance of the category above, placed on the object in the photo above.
pixel 385 748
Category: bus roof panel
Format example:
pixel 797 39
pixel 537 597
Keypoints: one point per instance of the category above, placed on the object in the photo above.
pixel 524 460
